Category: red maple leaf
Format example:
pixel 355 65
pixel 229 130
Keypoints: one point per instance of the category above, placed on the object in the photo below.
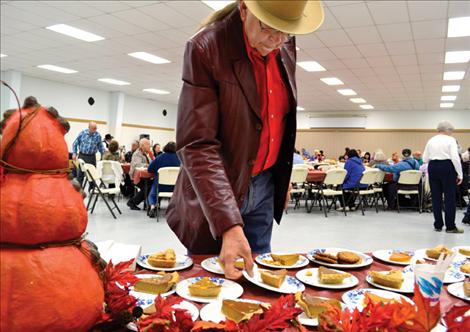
pixel 455 319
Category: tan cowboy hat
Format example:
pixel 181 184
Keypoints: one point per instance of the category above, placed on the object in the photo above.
pixel 295 17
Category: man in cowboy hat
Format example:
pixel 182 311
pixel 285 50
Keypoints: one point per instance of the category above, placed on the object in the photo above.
pixel 236 128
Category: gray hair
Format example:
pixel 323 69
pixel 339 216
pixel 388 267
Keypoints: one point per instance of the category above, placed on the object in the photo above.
pixel 380 156
pixel 445 127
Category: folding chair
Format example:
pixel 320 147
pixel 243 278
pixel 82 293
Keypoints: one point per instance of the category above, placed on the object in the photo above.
pixel 81 168
pixel 298 178
pixel 369 177
pixel 98 190
pixel 110 172
pixel 166 176
pixel 409 178
pixel 332 187
pixel 378 187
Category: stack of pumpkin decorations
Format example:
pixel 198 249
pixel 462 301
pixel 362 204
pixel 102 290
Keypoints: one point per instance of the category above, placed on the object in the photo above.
pixel 48 280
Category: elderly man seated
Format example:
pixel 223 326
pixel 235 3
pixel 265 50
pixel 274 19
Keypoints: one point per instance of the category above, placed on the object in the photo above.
pixel 140 158
pixel 418 156
pixel 390 189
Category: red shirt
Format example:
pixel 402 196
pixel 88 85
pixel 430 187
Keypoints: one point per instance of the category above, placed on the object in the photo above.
pixel 274 105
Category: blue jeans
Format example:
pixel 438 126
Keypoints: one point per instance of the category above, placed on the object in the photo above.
pixel 258 212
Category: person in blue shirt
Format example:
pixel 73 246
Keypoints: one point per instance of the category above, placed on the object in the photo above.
pixel 355 168
pixel 297 160
pixel 86 145
pixel 167 159
pixel 390 189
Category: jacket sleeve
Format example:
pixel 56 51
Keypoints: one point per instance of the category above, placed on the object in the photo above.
pixel 388 168
pixel 198 147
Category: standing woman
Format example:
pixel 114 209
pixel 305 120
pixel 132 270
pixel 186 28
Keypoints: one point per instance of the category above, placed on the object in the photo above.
pixel 445 173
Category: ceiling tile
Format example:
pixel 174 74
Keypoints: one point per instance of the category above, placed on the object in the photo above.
pixel 320 54
pixel 458 44
pixel 400 48
pixel 346 52
pixel 355 15
pixel 329 21
pixel 334 38
pixel 395 32
pixel 309 41
pixel 136 17
pixel 372 49
pixel 379 61
pixel 170 16
pixel 427 10
pixel 385 12
pixel 459 8
pixel 364 35
pixel 429 29
pixel 430 45
pixel 115 23
pixel 403 60
pixel 356 63
pixel 430 58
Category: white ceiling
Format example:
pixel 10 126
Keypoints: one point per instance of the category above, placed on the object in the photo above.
pixel 390 52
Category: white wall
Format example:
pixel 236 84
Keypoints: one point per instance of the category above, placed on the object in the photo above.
pixel 401 119
pixel 149 112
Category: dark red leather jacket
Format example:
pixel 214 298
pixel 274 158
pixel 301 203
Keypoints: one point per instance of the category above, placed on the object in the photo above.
pixel 218 132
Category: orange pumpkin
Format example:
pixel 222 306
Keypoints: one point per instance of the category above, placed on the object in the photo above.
pixel 41 143
pixel 38 208
pixel 53 289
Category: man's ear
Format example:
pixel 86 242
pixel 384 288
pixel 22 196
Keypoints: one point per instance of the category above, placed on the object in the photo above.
pixel 243 10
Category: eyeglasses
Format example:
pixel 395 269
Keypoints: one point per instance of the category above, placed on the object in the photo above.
pixel 267 29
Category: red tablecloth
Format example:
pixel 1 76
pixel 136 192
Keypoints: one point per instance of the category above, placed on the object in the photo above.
pixel 126 168
pixel 315 176
pixel 252 291
pixel 141 173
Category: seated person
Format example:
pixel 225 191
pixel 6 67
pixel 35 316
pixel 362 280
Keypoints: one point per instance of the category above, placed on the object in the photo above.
pixel 394 160
pixel 390 189
pixel 366 158
pixel 112 153
pixel 379 158
pixel 355 168
pixel 297 160
pixel 140 158
pixel 418 156
pixel 134 147
pixel 167 159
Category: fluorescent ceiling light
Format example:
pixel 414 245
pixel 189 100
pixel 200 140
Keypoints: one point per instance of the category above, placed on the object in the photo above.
pixel 453 75
pixel 450 88
pixel 459 27
pixel 367 107
pixel 149 57
pixel 347 92
pixel 457 56
pixel 157 91
pixel 448 98
pixel 300 108
pixel 357 100
pixel 332 81
pixel 74 32
pixel 447 105
pixel 58 69
pixel 2 55
pixel 311 66
pixel 113 81
pixel 217 5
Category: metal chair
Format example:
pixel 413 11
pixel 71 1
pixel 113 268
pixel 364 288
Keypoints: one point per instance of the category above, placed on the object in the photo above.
pixel 99 190
pixel 409 178
pixel 331 187
pixel 166 176
pixel 298 178
pixel 369 177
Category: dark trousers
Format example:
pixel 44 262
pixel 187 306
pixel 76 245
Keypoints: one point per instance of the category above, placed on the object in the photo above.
pixel 140 196
pixel 443 181
pixel 349 199
pixel 89 159
pixel 258 213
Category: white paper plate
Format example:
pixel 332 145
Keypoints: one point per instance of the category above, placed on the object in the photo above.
pixel 421 253
pixel 144 298
pixel 290 285
pixel 457 264
pixel 301 262
pixel 305 320
pixel 366 260
pixel 230 290
pixel 407 286
pixel 451 276
pixel 212 312
pixel 384 255
pixel 355 298
pixel 313 280
pixel 212 265
pixel 191 308
pixel 182 262
pixel 457 290
pixel 456 249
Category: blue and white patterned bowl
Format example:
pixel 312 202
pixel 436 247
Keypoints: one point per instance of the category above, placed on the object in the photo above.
pixel 456 265
pixel 384 255
pixel 355 298
pixel 182 262
pixel 366 259
pixel 301 262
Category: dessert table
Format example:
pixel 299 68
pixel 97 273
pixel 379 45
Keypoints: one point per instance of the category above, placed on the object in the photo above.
pixel 254 292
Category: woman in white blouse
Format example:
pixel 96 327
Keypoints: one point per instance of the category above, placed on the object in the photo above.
pixel 445 173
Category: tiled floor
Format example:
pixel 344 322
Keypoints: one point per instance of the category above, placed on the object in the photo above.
pixel 299 231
